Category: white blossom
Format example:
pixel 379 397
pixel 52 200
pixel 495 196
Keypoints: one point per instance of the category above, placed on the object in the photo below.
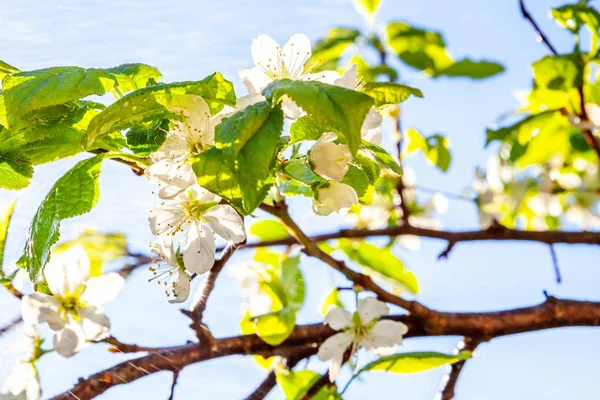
pixel 361 329
pixel 329 159
pixel 272 63
pixel 337 197
pixel 169 272
pixel 24 382
pixel 197 213
pixel 74 310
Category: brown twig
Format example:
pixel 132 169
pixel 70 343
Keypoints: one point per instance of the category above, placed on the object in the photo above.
pixel 196 312
pixel 264 388
pixel 539 32
pixel 555 264
pixel 173 384
pixel 11 325
pixel 448 389
pixel 552 313
pixel 119 347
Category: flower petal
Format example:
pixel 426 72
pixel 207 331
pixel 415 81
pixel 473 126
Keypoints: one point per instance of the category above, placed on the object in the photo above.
pixel 94 322
pixel 266 53
pixel 373 136
pixel 199 249
pixel 337 318
pixel 372 120
pixel 226 222
pixel 69 340
pixel 333 348
pixel 370 308
pixel 335 344
pixel 295 53
pixel 102 289
pixel 255 80
pixel 181 288
pixel 166 219
pixel 329 77
pixel 337 196
pixel 37 308
pixel 67 271
pixel 349 78
pixel 291 110
pixel 23 381
pixel 383 335
pixel 249 100
pixel 330 160
pixel 163 248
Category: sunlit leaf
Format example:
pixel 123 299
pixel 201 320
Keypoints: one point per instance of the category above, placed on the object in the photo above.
pixel 268 229
pixel 409 363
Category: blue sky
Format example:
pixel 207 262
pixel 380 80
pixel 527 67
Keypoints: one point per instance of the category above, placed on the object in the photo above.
pixel 188 40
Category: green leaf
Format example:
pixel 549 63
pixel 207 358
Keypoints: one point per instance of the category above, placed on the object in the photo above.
pixel 381 260
pixel 145 140
pixel 369 6
pixel 249 140
pixel 332 299
pixel 276 326
pixel 368 73
pixel 557 73
pixel 269 229
pixel 6 69
pixel 367 165
pixel 29 91
pixel 297 168
pixel 100 248
pixel 327 51
pixel 292 282
pixel 75 193
pixel 4 223
pixel 133 76
pixel 409 363
pixel 419 48
pixel 15 171
pixel 358 179
pixel 307 128
pixel 574 16
pixel 295 384
pixel 426 51
pixel 342 109
pixel 156 103
pixel 435 148
pixel 472 69
pixel 214 174
pixel 382 156
pixel 389 93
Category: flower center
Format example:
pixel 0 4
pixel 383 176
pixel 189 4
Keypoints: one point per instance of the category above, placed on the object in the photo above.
pixel 196 208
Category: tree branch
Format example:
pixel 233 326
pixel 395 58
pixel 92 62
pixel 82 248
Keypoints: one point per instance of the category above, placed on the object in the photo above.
pixel 539 32
pixel 448 390
pixel 552 313
pixel 494 233
pixel 196 313
pixel 311 248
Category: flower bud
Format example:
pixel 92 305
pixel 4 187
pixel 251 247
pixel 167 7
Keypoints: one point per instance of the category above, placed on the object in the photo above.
pixel 328 159
pixel 337 197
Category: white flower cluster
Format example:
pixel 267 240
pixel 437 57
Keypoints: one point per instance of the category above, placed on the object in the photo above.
pixel 73 312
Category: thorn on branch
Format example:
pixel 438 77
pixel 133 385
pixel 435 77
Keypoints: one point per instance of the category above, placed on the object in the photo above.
pixel 555 264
